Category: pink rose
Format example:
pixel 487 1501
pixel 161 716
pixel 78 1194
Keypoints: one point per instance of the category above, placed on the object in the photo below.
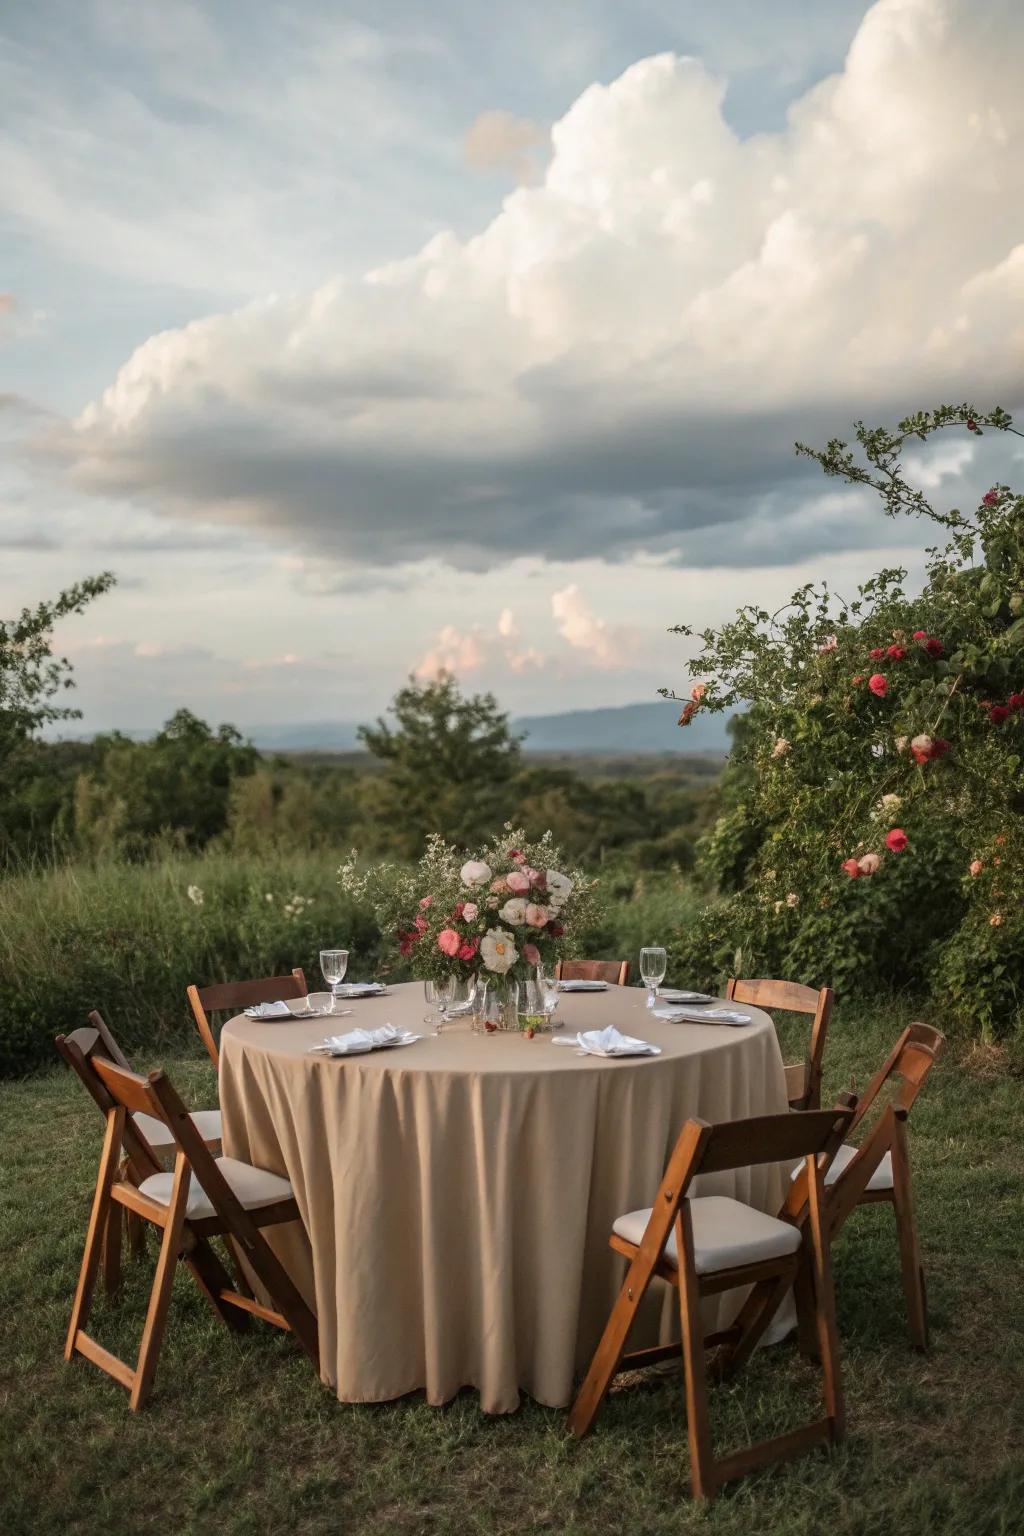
pixel 536 915
pixel 896 840
pixel 517 882
pixel 533 875
pixel 421 925
pixel 878 685
pixel 426 901
pixel 448 942
pixel 531 954
pixel 698 691
pixel 470 912
pixel 852 868
pixel 990 498
pixel 500 885
pixel 976 866
pixel 468 949
pixel 869 864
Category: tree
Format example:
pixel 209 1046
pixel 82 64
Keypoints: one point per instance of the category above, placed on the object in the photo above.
pixel 31 679
pixel 449 762
pixel 872 829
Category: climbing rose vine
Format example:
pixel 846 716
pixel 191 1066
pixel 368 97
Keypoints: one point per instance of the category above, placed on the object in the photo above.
pixel 871 825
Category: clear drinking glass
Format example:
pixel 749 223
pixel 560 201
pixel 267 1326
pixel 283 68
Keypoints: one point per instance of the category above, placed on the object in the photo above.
pixel 334 964
pixel 549 994
pixel 438 995
pixel 653 965
pixel 500 1006
pixel 460 1004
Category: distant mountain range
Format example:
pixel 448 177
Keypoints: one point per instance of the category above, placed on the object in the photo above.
pixel 622 731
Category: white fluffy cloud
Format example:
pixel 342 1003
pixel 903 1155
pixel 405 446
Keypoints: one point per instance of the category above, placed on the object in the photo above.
pixel 621 359
pixel 585 631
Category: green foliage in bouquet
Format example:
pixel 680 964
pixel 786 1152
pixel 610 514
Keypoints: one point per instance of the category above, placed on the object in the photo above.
pixel 503 912
pixel 871 833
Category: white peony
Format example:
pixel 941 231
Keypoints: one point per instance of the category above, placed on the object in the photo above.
pixel 514 911
pixel 498 951
pixel 475 872
pixel 559 889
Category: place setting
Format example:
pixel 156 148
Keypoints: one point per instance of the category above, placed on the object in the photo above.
pixel 678 1006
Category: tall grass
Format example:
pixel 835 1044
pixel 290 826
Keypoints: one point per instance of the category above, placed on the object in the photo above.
pixel 128 938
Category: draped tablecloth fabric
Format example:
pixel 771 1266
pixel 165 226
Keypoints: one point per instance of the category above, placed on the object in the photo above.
pixel 457 1194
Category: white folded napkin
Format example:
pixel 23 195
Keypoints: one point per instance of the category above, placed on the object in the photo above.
pixel 358 1041
pixel 269 1011
pixel 702 1016
pixel 582 986
pixel 672 995
pixel 359 989
pixel 608 1042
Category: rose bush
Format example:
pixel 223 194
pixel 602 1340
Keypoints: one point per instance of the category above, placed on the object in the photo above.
pixel 877 770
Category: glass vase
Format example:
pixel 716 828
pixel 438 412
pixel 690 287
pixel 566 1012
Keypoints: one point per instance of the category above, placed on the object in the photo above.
pixel 499 1007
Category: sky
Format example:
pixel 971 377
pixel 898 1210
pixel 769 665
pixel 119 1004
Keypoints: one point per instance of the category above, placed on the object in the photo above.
pixel 363 340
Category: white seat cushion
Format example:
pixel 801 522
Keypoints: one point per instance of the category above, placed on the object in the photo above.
pixel 880 1179
pixel 253 1187
pixel 725 1233
pixel 206 1122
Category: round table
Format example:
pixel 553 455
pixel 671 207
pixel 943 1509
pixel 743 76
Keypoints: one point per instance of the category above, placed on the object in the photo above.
pixel 457 1194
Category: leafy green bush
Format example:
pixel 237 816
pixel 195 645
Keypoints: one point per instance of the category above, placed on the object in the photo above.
pixel 871 834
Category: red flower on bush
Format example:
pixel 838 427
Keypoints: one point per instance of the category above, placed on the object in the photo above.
pixel 998 713
pixel 896 840
pixel 876 652
pixel 852 868
pixel 896 652
pixel 920 634
pixel 940 746
pixel 991 498
pixel 933 647
pixel 878 685
pixel 1015 701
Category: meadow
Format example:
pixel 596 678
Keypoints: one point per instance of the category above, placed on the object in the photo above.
pixel 241 1438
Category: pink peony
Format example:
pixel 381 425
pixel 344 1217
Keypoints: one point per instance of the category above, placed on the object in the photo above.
pixel 852 868
pixel 869 864
pixel 976 866
pixel 536 915
pixel 878 685
pixel 470 912
pixel 531 954
pixel 500 886
pixel 468 949
pixel 896 840
pixel 448 942
pixel 517 882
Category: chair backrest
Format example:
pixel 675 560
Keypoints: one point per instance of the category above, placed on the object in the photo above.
pixel 803 1083
pixel 222 996
pixel 82 1050
pixel 615 972
pixel 907 1065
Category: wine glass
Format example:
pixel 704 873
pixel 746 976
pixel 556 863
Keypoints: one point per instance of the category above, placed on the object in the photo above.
pixel 549 993
pixel 334 964
pixel 653 965
pixel 438 995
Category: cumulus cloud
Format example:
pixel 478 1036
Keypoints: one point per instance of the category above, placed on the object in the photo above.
pixel 581 627
pixel 620 360
pixel 498 141
pixel 465 652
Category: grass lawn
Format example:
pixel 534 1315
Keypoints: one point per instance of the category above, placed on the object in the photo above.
pixel 240 1437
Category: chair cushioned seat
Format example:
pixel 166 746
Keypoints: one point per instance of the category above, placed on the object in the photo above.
pixel 206 1122
pixel 253 1187
pixel 880 1179
pixel 725 1233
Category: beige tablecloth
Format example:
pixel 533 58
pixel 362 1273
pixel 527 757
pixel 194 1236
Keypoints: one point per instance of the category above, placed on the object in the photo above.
pixel 458 1194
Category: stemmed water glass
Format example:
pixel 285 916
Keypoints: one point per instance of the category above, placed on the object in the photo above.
pixel 334 964
pixel 549 994
pixel 653 965
pixel 438 995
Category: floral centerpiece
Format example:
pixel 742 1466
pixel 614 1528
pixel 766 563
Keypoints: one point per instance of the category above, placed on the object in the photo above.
pixel 500 914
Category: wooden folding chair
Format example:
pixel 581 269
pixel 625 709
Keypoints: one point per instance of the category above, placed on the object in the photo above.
pixel 705 1245
pixel 148 1141
pixel 614 972
pixel 223 996
pixel 803 1080
pixel 202 1197
pixel 878 1171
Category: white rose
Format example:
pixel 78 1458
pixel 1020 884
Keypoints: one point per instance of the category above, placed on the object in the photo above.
pixel 498 951
pixel 559 889
pixel 514 911
pixel 475 872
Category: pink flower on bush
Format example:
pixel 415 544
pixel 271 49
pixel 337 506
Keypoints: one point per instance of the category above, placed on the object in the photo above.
pixel 448 942
pixel 470 912
pixel 876 652
pixel 457 911
pixel 517 882
pixel 536 915
pixel 425 902
pixel 869 864
pixel 468 949
pixel 896 652
pixel 421 925
pixel 852 868
pixel 920 634
pixel 996 920
pixel 406 941
pixel 830 643
pixel 531 954
pixel 976 866
pixel 698 691
pixel 878 685
pixel 896 840
pixel 990 498
pixel 921 748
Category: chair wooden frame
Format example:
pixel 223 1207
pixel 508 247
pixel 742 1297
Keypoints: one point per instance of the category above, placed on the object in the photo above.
pixel 910 1061
pixel 704 1149
pixel 803 1079
pixel 614 972
pixel 222 995
pixel 182 1237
